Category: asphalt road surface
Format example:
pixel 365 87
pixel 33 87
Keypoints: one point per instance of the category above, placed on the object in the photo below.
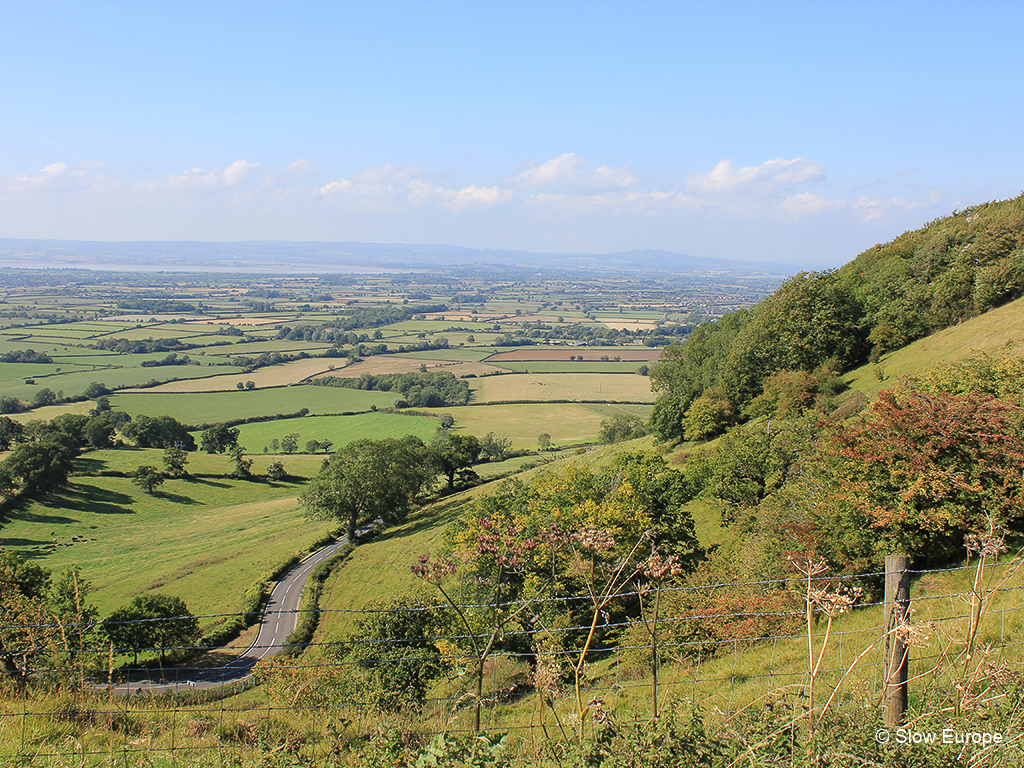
pixel 279 620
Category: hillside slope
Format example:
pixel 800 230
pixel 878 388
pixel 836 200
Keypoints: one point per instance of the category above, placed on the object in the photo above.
pixel 993 332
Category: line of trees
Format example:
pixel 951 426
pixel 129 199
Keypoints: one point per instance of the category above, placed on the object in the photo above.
pixel 419 390
pixel 370 479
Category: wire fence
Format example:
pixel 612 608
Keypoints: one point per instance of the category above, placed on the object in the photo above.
pixel 522 667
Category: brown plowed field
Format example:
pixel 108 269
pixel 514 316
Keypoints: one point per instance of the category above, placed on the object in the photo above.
pixel 589 353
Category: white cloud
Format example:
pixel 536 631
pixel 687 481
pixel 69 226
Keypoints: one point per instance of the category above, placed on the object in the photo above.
pixel 765 179
pixel 473 196
pixel 562 202
pixel 237 171
pixel 230 175
pixel 53 169
pixel 58 179
pixel 390 187
pixel 301 165
pixel 808 203
pixel 866 208
pixel 387 173
pixel 566 171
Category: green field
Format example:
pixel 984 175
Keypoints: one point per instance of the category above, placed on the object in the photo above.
pixel 74 383
pixel 10 372
pixel 205 540
pixel 259 347
pixel 212 407
pixel 338 429
pixel 562 386
pixel 567 423
pixel 13 344
pixel 199 463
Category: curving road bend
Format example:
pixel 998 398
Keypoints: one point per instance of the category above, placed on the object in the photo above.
pixel 279 620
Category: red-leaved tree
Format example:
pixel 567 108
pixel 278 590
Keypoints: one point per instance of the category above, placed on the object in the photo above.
pixel 919 471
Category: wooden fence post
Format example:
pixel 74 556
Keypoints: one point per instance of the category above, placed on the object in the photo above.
pixel 896 661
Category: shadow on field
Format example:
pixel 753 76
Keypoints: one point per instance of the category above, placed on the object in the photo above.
pixel 177 498
pixel 86 466
pixel 21 543
pixel 420 522
pixel 203 481
pixel 84 497
pixel 37 517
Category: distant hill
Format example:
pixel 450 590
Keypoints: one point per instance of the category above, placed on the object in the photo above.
pixel 354 257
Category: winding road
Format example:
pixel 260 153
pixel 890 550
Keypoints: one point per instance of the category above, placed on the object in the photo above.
pixel 279 620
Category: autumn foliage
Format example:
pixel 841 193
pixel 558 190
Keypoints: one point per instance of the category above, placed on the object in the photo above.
pixel 919 471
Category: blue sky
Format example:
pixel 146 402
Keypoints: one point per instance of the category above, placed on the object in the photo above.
pixel 776 131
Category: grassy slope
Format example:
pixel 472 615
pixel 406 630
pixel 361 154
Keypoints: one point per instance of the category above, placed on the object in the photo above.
pixel 996 330
pixel 205 540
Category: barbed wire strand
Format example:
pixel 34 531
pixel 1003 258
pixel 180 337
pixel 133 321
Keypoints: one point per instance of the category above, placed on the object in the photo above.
pixel 696 654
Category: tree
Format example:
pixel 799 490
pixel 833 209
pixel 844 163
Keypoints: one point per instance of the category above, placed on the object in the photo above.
pixel 706 417
pixel 160 432
pixel 69 429
pixel 11 405
pixel 26 634
pixel 219 438
pixel 243 465
pixel 151 622
pixel 622 426
pixel 250 385
pixel 175 460
pixel 495 447
pixel 446 420
pixel 392 646
pixel 312 446
pixel 35 469
pixel 276 471
pixel 100 433
pixel 919 471
pixel 40 615
pixel 10 432
pixel 454 453
pixel 786 394
pixel 544 441
pixel 668 415
pixel 147 478
pixel 368 479
pixel 119 419
pixel 95 390
pixel 290 443
pixel 43 397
